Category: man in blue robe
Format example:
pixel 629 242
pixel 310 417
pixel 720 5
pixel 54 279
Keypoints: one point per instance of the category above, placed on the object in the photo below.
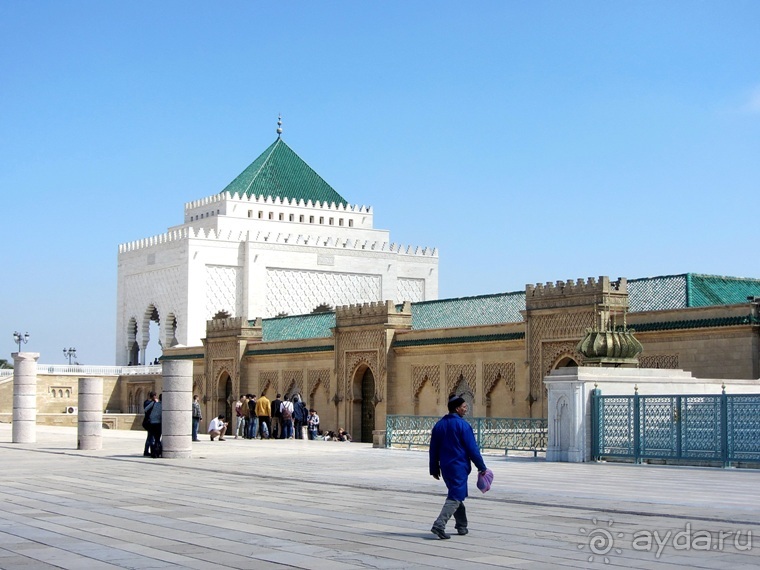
pixel 452 450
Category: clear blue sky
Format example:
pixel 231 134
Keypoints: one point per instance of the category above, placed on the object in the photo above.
pixel 528 141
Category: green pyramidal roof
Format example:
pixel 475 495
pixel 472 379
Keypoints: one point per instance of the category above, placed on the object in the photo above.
pixel 280 173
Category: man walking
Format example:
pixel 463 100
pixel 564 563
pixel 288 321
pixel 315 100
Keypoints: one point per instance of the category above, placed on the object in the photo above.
pixel 452 449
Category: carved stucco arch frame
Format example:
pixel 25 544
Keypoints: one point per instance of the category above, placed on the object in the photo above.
pixel 354 361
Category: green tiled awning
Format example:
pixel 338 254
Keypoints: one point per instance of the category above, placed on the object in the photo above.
pixel 280 173
pixel 689 290
pixel 468 311
pixel 298 327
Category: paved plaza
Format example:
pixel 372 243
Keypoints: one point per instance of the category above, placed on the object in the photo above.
pixel 335 506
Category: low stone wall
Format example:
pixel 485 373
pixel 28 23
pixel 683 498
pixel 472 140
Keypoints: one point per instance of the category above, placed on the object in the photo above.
pixel 110 421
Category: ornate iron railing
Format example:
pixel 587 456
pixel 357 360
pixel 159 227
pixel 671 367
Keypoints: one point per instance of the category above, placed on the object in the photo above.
pixel 91 370
pixel 509 434
pixel 686 428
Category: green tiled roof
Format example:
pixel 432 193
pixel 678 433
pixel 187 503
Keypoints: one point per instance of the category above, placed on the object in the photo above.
pixel 648 294
pixel 280 173
pixel 298 327
pixel 468 311
pixel 689 290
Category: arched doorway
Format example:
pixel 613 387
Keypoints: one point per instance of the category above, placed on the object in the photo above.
pixel 224 398
pixel 363 405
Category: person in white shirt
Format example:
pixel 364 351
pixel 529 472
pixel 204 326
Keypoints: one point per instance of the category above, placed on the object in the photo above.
pixel 217 427
pixel 286 413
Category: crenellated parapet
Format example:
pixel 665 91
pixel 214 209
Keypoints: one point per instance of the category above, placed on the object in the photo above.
pixel 601 292
pixel 234 326
pixel 281 238
pixel 275 201
pixel 387 313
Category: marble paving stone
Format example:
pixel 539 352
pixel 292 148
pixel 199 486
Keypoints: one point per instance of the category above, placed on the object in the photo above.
pixel 242 506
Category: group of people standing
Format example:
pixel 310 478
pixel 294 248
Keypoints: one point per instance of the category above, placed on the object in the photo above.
pixel 281 418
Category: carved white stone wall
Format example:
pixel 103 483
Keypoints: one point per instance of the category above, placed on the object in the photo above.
pixel 412 290
pixel 224 290
pixel 299 292
pixel 257 258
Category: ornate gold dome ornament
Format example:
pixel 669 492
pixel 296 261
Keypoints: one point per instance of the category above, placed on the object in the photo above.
pixel 611 346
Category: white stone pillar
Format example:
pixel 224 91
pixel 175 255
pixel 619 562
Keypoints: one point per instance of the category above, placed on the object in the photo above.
pixel 177 408
pixel 90 414
pixel 24 428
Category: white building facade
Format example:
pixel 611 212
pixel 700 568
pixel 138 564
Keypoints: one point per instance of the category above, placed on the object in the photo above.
pixel 278 240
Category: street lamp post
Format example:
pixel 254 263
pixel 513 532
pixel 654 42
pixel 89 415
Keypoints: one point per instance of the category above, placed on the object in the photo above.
pixel 18 338
pixel 71 352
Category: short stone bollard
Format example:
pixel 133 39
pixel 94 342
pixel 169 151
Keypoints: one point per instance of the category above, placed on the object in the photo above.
pixel 24 428
pixel 177 409
pixel 90 415
pixel 378 438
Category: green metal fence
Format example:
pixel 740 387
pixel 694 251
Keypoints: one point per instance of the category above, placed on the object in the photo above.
pixel 509 434
pixel 683 428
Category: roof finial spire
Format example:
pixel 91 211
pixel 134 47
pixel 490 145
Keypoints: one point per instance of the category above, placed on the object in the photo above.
pixel 279 125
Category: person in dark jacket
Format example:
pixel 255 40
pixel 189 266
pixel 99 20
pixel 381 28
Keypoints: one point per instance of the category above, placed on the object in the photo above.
pixel 452 450
pixel 300 416
pixel 276 417
pixel 154 412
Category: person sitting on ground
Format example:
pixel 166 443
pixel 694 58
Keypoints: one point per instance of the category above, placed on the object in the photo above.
pixel 217 427
pixel 328 435
pixel 343 435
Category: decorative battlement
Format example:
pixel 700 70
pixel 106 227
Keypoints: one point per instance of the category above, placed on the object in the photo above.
pixel 276 201
pixel 234 326
pixel 579 287
pixel 227 324
pixel 601 294
pixel 381 312
pixel 322 241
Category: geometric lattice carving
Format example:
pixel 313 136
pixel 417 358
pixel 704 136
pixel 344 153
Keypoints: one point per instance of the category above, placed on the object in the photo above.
pixel 497 372
pixel 224 287
pixel 455 373
pixel 665 361
pixel 412 290
pixel 267 379
pixel 317 377
pixel 561 325
pixel 293 380
pixel 297 292
pixel 420 374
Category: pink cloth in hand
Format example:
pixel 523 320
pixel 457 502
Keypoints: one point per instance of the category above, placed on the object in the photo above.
pixel 485 480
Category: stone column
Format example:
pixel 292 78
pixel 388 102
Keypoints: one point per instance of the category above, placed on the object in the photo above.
pixel 177 408
pixel 24 429
pixel 90 418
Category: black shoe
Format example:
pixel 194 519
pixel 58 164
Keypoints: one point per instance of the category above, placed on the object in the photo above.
pixel 440 533
pixel 462 531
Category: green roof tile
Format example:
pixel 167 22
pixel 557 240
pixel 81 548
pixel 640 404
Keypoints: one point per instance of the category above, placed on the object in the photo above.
pixel 468 311
pixel 689 290
pixel 280 173
pixel 298 327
